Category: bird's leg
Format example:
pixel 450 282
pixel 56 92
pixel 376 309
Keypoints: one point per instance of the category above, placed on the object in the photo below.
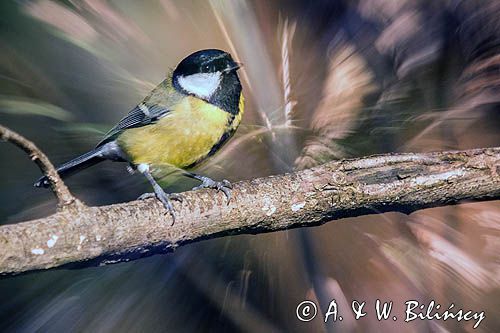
pixel 159 193
pixel 223 186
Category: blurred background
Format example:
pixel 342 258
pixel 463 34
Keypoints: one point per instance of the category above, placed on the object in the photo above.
pixel 324 80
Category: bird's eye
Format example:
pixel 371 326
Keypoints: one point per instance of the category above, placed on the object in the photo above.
pixel 206 68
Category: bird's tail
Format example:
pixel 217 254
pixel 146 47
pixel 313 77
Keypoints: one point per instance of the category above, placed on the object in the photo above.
pixel 81 162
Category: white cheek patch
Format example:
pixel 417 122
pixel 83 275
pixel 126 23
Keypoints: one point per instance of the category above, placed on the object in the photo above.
pixel 202 84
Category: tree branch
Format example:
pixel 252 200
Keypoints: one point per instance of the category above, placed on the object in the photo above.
pixel 64 196
pixel 127 231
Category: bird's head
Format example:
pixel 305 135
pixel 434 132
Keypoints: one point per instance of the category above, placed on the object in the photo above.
pixel 205 72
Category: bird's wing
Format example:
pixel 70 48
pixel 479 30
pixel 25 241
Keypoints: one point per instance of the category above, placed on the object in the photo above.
pixel 158 104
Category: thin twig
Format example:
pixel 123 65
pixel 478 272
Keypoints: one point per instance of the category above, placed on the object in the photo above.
pixel 64 196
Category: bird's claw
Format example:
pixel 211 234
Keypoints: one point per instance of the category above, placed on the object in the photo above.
pixel 165 199
pixel 176 197
pixel 224 186
pixel 147 195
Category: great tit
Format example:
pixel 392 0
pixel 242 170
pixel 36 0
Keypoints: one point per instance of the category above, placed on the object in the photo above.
pixel 184 120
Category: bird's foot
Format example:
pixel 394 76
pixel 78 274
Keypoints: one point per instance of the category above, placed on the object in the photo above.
pixel 165 199
pixel 223 186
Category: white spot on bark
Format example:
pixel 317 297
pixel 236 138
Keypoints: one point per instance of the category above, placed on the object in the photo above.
pixel 433 179
pixel 271 211
pixel 98 238
pixel 52 241
pixel 82 238
pixel 268 207
pixel 298 206
pixel 37 251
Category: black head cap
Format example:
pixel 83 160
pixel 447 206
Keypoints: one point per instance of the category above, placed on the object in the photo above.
pixel 210 75
pixel 206 61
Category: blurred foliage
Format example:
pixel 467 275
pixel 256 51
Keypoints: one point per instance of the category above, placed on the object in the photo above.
pixel 323 80
pixel 24 106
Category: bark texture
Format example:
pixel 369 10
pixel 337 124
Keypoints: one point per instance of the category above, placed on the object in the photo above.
pixel 81 236
pixel 63 195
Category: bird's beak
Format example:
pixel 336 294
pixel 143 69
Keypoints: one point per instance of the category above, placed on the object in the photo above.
pixel 233 67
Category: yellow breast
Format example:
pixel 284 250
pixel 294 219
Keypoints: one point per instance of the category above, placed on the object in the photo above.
pixel 181 138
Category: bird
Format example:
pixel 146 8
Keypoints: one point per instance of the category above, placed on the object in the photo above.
pixel 186 119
